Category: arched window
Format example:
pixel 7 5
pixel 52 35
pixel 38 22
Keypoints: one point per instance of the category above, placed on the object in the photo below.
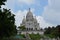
pixel 35 28
pixel 27 28
pixel 31 28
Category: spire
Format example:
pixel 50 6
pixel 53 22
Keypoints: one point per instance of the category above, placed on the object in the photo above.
pixel 29 9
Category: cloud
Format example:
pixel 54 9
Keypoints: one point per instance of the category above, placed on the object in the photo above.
pixel 42 22
pixel 19 16
pixel 54 3
pixel 9 4
pixel 28 2
pixel 16 5
pixel 52 12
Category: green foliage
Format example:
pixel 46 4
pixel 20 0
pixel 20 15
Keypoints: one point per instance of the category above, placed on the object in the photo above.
pixel 22 27
pixel 48 30
pixel 35 36
pixel 22 35
pixel 53 32
pixel 2 2
pixel 7 23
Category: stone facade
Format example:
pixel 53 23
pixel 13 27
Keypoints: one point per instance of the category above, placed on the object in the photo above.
pixel 31 25
pixel 30 32
pixel 30 22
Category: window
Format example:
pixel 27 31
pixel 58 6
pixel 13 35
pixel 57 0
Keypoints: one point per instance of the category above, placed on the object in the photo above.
pixel 26 28
pixel 27 20
pixel 35 28
pixel 31 28
pixel 29 23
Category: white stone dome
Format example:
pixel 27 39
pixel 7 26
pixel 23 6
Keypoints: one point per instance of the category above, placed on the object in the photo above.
pixel 29 13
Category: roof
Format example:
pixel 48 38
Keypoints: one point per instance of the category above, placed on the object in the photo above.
pixel 29 13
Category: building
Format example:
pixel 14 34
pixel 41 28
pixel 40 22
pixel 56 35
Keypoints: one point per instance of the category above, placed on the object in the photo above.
pixel 31 24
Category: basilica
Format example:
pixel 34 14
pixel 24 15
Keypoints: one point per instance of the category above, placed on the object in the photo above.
pixel 31 24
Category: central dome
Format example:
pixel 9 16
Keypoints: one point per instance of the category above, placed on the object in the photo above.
pixel 29 13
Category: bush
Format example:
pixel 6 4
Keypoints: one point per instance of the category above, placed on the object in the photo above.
pixel 35 36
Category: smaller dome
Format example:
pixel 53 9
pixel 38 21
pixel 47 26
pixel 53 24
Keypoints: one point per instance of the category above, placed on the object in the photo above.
pixel 24 20
pixel 35 20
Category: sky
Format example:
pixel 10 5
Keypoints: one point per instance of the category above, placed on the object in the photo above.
pixel 47 12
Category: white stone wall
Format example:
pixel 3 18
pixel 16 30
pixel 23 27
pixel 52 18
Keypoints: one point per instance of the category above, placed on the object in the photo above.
pixel 30 32
pixel 30 21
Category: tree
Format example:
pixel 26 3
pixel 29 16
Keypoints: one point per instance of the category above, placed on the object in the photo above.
pixel 47 30
pixel 2 2
pixel 57 31
pixel 53 32
pixel 7 24
pixel 22 27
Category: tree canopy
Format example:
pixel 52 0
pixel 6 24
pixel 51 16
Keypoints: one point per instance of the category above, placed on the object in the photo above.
pixel 53 32
pixel 22 28
pixel 7 22
pixel 2 2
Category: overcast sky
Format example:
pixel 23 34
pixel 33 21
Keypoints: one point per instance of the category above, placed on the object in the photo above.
pixel 47 12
